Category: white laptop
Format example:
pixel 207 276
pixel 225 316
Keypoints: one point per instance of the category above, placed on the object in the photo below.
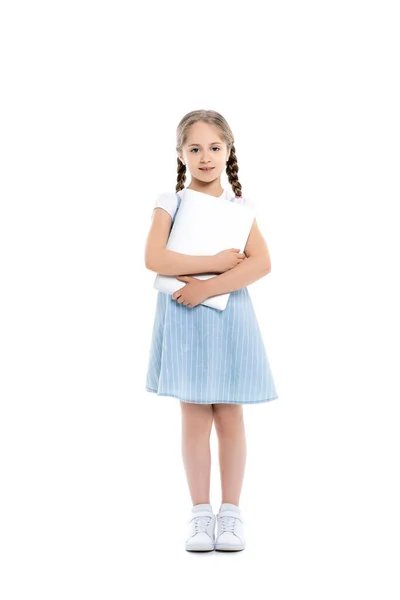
pixel 205 225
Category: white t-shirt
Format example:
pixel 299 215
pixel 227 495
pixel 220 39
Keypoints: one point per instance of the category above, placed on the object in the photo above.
pixel 169 200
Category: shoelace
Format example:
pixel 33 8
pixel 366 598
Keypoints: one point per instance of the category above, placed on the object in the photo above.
pixel 227 523
pixel 201 523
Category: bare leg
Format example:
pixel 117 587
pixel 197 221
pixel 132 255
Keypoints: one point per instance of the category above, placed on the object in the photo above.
pixel 197 422
pixel 229 426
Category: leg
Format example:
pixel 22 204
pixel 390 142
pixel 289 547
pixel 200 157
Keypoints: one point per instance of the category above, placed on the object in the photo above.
pixel 197 422
pixel 229 426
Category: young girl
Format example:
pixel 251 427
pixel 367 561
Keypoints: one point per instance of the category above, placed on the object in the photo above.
pixel 213 361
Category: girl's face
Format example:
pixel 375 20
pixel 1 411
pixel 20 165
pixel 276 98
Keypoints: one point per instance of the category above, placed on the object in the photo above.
pixel 204 149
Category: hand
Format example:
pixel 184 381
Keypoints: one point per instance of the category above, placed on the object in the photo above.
pixel 228 259
pixel 193 293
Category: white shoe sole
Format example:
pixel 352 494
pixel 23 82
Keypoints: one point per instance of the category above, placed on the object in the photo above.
pixel 229 548
pixel 199 548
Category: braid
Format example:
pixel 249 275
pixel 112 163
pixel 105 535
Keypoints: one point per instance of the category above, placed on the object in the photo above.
pixel 232 168
pixel 181 170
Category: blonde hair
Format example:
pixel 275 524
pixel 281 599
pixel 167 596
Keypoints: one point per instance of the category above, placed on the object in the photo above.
pixel 217 120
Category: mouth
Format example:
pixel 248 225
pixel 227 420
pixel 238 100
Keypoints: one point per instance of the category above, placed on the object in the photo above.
pixel 206 168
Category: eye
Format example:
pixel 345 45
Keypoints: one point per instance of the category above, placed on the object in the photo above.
pixel 214 148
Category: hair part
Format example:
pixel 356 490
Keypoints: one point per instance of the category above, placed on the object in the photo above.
pixel 217 120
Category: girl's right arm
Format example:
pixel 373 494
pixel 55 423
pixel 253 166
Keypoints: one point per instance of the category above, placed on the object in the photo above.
pixel 166 262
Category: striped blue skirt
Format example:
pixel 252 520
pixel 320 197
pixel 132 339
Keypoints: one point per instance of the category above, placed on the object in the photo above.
pixel 207 356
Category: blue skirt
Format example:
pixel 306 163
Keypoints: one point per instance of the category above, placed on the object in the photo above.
pixel 207 356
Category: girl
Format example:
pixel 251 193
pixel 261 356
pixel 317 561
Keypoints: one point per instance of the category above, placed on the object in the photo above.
pixel 212 361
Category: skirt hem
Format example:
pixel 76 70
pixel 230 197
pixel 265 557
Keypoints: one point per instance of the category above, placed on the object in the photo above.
pixel 210 401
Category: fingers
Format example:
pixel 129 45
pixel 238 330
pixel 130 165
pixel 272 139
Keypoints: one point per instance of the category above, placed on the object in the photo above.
pixel 188 304
pixel 181 300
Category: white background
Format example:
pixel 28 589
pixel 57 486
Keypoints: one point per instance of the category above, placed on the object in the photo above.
pixel 94 499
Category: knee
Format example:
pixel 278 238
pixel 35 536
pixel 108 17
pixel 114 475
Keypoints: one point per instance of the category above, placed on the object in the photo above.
pixel 227 417
pixel 198 417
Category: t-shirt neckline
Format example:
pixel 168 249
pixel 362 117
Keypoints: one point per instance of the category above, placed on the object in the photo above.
pixel 198 192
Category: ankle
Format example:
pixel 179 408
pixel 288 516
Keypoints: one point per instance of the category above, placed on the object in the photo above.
pixel 229 506
pixel 202 506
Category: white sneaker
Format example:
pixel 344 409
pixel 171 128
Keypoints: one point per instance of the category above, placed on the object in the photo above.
pixel 230 534
pixel 201 529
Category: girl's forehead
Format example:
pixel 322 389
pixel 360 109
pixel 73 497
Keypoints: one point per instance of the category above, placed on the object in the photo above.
pixel 211 143
pixel 198 140
pixel 201 132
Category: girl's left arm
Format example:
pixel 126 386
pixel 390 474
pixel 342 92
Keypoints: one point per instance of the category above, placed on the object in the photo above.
pixel 256 265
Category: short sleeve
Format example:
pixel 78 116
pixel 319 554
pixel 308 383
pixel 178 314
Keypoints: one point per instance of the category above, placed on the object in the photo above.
pixel 168 201
pixel 249 202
